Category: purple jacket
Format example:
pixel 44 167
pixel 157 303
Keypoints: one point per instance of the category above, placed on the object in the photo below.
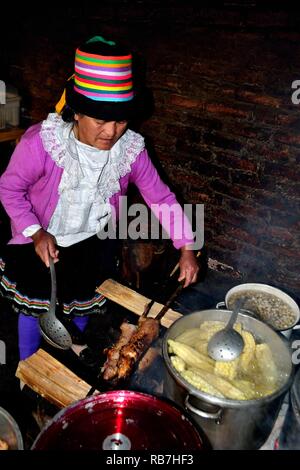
pixel 29 189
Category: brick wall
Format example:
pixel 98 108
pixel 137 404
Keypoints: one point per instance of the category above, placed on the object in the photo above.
pixel 224 129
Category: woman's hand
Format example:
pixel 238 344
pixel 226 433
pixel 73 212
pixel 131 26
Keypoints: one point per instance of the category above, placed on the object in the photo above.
pixel 44 244
pixel 188 266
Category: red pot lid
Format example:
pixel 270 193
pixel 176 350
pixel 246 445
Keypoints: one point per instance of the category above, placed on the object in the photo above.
pixel 120 420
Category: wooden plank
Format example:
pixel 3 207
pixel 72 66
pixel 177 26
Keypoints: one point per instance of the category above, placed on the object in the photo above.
pixel 51 379
pixel 44 387
pixel 58 373
pixel 135 302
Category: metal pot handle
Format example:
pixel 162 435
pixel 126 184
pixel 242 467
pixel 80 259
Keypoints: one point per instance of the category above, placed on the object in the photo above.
pixel 221 305
pixel 203 414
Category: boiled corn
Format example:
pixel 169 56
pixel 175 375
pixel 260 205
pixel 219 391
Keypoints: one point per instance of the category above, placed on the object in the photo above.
pixel 248 353
pixel 201 347
pixel 209 328
pixel 198 382
pixel 247 387
pixel 227 389
pixel 266 363
pixel 189 337
pixel 178 363
pixel 190 356
pixel 227 369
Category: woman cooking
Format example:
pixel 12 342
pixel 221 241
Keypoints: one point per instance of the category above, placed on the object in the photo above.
pixel 63 183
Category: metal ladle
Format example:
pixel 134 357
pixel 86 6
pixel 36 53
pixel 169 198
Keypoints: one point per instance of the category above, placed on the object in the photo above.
pixel 51 328
pixel 227 344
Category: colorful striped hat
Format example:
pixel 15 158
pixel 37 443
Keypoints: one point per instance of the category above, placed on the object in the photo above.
pixel 102 85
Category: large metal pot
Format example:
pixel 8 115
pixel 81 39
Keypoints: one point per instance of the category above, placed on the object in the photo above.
pixel 121 420
pixel 9 431
pixel 230 424
pixel 289 438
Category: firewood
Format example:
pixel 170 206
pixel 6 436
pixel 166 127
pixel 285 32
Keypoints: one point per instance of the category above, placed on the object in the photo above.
pixel 134 302
pixel 51 379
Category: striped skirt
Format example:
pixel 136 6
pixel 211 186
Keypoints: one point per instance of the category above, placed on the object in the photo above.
pixel 26 281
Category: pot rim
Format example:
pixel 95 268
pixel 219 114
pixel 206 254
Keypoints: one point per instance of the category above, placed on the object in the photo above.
pixel 15 427
pixel 270 290
pixel 217 401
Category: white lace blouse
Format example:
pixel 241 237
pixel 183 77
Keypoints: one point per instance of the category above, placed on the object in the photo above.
pixel 89 179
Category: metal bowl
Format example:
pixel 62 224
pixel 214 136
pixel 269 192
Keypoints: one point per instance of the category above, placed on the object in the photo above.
pixel 9 431
pixel 120 420
pixel 264 288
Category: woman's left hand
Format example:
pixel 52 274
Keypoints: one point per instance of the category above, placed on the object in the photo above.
pixel 188 266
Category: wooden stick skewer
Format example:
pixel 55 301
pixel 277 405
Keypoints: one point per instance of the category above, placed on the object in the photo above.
pixel 170 300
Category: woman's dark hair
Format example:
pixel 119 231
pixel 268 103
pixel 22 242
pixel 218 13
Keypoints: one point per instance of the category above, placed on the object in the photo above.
pixel 68 114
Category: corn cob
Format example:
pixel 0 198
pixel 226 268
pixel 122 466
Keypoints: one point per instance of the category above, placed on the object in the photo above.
pixel 209 328
pixel 178 363
pixel 190 356
pixel 227 389
pixel 189 337
pixel 247 387
pixel 198 382
pixel 248 353
pixel 227 369
pixel 266 363
pixel 201 347
pixel 211 325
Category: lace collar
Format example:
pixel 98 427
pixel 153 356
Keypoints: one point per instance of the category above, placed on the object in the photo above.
pixel 59 142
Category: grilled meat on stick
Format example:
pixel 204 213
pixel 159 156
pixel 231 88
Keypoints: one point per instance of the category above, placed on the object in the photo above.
pixel 146 333
pixel 132 350
pixel 110 368
pixel 134 341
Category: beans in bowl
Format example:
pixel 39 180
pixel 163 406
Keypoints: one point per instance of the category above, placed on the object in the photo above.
pixel 268 307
